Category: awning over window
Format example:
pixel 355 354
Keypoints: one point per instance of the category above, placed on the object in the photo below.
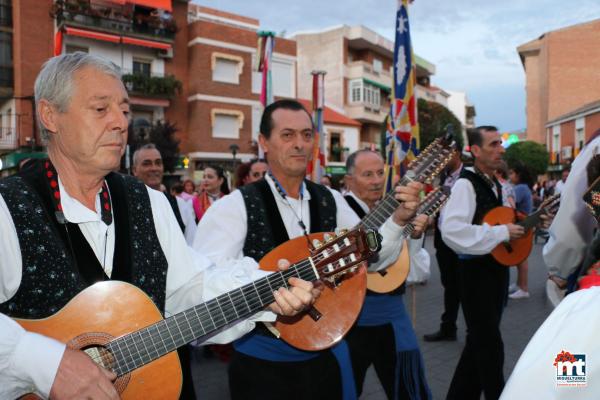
pixel 163 4
pixel 93 35
pixel 115 39
pixel 146 43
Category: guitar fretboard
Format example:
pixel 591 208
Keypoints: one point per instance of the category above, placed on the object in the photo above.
pixel 145 345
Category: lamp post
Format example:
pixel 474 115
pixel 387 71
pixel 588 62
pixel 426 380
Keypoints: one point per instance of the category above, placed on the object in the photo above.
pixel 234 150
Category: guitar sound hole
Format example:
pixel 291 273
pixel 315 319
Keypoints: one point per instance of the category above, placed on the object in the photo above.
pixel 101 356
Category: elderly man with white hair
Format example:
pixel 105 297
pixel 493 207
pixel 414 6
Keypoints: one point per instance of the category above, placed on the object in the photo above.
pixel 70 221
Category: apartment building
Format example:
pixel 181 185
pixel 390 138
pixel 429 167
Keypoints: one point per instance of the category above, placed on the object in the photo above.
pixel 141 36
pixel 359 76
pixel 563 88
pixel 224 86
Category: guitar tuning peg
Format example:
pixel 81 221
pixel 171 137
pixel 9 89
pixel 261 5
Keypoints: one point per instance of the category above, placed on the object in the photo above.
pixel 341 232
pixel 328 237
pixel 316 243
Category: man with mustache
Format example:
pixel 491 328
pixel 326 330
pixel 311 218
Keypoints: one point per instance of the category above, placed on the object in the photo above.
pixel 255 219
pixel 70 221
pixel 383 334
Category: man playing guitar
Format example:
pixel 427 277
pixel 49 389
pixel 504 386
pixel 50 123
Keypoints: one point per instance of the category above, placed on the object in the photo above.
pixel 255 219
pixel 69 222
pixel 383 334
pixel 483 282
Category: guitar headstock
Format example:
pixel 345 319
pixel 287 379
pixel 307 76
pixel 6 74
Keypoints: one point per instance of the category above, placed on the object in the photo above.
pixel 592 198
pixel 341 253
pixel 551 204
pixel 432 160
pixel 433 202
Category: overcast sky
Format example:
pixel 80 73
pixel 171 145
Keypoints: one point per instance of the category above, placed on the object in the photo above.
pixel 471 42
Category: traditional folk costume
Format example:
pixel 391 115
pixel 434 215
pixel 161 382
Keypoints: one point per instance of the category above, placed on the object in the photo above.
pixel 53 247
pixel 483 283
pixel 249 223
pixel 384 336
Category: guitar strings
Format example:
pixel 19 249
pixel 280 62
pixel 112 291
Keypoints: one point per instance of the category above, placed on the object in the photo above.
pixel 236 299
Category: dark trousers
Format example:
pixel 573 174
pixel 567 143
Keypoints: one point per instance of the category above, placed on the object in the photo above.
pixel 373 345
pixel 187 387
pixel 483 286
pixel 252 378
pixel 448 263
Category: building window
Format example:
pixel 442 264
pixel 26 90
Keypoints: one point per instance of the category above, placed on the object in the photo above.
pixel 69 49
pixel 335 147
pixel 226 68
pixel 377 65
pixel 556 138
pixel 5 13
pixel 360 92
pixel 355 91
pixel 579 134
pixel 226 124
pixel 141 67
pixel 283 78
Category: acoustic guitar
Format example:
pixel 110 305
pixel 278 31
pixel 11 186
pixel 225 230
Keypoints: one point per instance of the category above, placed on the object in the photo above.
pixel 395 275
pixel 516 251
pixel 336 310
pixel 121 329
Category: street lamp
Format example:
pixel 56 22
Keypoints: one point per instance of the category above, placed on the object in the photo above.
pixel 234 149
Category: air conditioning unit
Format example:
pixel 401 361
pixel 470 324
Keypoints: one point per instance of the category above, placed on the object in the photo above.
pixel 168 53
pixel 567 152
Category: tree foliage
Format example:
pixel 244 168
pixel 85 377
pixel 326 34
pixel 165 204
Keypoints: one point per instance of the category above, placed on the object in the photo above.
pixel 534 155
pixel 433 119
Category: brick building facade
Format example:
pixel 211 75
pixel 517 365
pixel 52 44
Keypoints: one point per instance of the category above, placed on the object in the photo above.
pixel 563 88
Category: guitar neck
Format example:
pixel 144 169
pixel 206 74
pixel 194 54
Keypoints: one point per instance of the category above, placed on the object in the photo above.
pixel 533 219
pixel 146 345
pixel 383 210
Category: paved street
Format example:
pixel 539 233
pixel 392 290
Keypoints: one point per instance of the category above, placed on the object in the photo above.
pixel 520 321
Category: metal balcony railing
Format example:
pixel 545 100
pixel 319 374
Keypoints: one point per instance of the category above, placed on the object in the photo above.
pixel 8 138
pixel 155 86
pixel 120 20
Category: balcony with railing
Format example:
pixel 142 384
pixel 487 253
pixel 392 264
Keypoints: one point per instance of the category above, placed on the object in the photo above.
pixel 365 70
pixel 122 20
pixel 8 138
pixel 151 85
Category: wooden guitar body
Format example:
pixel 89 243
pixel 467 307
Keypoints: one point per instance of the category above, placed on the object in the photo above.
pixel 338 306
pixel 394 276
pixel 102 312
pixel 517 250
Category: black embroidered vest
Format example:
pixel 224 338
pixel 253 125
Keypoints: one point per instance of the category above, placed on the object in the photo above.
pixel 58 262
pixel 485 197
pixel 265 226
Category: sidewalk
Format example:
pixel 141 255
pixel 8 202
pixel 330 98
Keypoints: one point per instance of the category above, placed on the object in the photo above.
pixel 519 323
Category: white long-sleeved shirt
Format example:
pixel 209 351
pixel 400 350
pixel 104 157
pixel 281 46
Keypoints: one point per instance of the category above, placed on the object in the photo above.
pixel 222 231
pixel 29 362
pixel 188 216
pixel 457 229
pixel 573 227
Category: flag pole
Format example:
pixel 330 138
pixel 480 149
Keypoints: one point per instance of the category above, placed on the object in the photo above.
pixel 316 168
